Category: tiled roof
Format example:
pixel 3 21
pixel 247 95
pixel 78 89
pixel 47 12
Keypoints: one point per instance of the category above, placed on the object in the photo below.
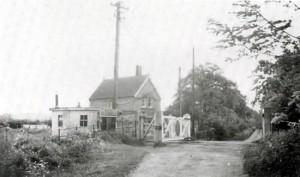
pixel 128 87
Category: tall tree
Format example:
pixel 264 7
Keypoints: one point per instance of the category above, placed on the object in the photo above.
pixel 218 102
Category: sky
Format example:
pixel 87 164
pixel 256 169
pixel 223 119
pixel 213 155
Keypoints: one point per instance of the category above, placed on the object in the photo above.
pixel 66 47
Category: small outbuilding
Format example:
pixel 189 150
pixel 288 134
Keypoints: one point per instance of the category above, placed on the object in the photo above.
pixel 74 118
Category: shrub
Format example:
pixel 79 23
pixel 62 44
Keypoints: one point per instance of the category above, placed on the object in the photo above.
pixel 278 155
pixel 12 164
pixel 244 134
pixel 78 150
pixel 114 137
pixel 38 154
pixel 220 132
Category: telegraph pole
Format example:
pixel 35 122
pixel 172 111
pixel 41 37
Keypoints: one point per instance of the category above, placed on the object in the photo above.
pixel 116 65
pixel 193 93
pixel 179 88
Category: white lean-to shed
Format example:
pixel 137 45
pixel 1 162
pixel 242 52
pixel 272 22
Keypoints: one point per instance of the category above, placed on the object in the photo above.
pixel 82 118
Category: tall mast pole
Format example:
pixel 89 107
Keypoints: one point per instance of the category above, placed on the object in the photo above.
pixel 116 64
pixel 193 93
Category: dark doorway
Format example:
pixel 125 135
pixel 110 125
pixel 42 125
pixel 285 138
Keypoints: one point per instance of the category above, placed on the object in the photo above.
pixel 108 123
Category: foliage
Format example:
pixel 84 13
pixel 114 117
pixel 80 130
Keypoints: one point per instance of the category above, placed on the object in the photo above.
pixel 7 120
pixel 218 103
pixel 244 134
pixel 269 41
pixel 40 154
pixel 254 34
pixel 278 155
pixel 114 137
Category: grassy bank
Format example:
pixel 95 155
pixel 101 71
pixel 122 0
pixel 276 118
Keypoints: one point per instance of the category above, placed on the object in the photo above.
pixel 36 153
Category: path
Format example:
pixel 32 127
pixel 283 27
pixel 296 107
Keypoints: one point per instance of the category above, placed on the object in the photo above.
pixel 201 159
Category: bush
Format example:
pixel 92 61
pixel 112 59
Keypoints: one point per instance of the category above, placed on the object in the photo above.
pixel 118 138
pixel 12 164
pixel 40 155
pixel 278 155
pixel 220 132
pixel 244 134
pixel 78 150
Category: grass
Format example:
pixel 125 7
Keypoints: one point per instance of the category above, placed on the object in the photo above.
pixel 115 160
pixel 101 158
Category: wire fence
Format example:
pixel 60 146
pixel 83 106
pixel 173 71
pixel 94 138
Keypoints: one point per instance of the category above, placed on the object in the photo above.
pixel 120 127
pixel 92 131
pixel 36 126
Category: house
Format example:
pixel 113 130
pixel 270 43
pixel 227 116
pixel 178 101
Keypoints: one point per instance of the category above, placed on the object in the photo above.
pixel 138 100
pixel 138 109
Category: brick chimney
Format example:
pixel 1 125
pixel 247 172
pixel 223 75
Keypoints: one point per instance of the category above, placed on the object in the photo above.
pixel 56 101
pixel 138 71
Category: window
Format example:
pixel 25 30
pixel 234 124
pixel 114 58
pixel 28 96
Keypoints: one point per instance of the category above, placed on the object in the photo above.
pixel 143 103
pixel 83 120
pixel 150 103
pixel 60 121
pixel 110 105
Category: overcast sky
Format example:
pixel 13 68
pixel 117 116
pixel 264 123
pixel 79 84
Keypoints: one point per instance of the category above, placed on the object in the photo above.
pixel 66 47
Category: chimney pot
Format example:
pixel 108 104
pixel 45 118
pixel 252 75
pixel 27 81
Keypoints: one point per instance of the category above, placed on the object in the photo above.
pixel 56 101
pixel 138 70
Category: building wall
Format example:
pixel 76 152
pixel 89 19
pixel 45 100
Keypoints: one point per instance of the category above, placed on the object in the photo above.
pixel 126 104
pixel 71 119
pixel 148 91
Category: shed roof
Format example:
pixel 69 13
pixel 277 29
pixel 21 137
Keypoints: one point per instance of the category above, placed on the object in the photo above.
pixel 74 109
pixel 128 87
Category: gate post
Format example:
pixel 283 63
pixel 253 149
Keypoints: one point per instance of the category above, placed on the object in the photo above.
pixel 157 128
pixel 138 125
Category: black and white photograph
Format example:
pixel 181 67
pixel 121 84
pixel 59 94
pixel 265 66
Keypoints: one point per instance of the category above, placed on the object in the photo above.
pixel 149 88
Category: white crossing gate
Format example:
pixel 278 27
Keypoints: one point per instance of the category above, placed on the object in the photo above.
pixel 175 128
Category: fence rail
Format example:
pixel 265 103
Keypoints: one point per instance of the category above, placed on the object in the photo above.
pixel 92 129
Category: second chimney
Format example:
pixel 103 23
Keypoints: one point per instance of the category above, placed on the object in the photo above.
pixel 56 101
pixel 138 71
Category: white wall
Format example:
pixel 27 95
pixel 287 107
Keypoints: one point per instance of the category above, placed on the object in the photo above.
pixel 71 119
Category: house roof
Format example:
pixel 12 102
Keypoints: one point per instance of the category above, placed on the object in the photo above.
pixel 128 87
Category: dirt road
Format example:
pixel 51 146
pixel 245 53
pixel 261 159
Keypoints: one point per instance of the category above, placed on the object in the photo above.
pixel 201 159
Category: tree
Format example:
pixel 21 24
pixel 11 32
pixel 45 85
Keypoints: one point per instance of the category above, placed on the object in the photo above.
pixel 271 43
pixel 218 102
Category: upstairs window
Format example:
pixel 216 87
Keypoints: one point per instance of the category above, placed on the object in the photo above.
pixel 147 103
pixel 150 103
pixel 83 120
pixel 143 102
pixel 110 105
pixel 60 121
